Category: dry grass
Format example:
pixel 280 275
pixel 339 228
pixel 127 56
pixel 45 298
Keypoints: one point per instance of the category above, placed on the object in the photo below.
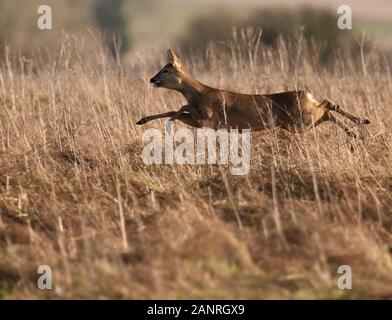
pixel 70 167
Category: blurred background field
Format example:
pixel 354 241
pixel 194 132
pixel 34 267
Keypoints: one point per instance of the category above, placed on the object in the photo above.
pixel 152 24
pixel 75 194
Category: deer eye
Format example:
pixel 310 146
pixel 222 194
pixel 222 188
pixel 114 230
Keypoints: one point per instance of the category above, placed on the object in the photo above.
pixel 165 71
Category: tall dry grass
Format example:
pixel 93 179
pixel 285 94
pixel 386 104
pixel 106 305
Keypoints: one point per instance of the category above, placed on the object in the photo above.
pixel 76 195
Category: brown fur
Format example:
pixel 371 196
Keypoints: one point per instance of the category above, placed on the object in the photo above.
pixel 216 108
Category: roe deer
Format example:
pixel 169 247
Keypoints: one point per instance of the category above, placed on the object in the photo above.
pixel 215 108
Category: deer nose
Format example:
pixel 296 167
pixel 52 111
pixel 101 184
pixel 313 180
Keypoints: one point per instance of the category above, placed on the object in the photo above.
pixel 155 82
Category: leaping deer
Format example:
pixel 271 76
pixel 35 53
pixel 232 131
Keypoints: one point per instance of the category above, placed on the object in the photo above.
pixel 216 108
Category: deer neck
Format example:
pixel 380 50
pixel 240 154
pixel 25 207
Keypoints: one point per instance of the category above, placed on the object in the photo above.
pixel 192 89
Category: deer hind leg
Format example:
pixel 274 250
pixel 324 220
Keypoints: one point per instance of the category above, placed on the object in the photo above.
pixel 332 118
pixel 324 118
pixel 327 105
pixel 330 106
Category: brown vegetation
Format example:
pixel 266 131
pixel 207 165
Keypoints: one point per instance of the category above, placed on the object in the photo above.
pixel 75 194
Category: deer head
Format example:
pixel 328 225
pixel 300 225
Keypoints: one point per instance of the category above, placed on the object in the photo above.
pixel 171 75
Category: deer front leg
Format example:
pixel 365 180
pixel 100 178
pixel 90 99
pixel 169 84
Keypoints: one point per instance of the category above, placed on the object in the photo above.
pixel 188 115
pixel 156 116
pixel 185 114
pixel 186 108
pixel 172 114
pixel 330 106
pixel 188 119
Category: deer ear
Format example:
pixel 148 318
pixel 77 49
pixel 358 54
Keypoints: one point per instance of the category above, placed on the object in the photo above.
pixel 173 59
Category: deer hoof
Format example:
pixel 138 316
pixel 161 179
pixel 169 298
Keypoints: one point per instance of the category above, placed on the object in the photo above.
pixel 141 121
pixel 365 121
